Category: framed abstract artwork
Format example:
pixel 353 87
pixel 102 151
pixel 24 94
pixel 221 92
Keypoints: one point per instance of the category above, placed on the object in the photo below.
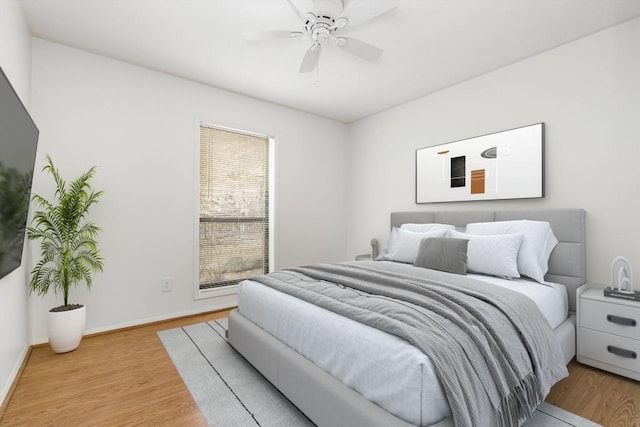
pixel 501 165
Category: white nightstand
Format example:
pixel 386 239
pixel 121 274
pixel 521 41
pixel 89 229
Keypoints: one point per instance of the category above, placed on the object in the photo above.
pixel 608 332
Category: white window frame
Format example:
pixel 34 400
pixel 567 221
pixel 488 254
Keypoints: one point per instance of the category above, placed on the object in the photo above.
pixel 199 294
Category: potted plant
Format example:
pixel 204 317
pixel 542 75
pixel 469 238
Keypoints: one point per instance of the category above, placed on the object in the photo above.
pixel 69 252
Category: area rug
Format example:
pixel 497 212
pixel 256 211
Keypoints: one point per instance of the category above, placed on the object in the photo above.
pixel 230 392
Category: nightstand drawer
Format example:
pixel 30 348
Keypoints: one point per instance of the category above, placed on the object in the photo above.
pixel 611 318
pixel 611 349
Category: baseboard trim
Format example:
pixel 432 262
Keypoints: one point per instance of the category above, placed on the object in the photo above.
pixel 139 323
pixel 18 370
pixel 157 322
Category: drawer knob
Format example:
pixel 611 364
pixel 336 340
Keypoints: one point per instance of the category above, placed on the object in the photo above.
pixel 624 321
pixel 622 352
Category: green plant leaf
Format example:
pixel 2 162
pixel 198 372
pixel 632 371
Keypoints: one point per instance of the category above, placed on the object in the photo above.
pixel 69 250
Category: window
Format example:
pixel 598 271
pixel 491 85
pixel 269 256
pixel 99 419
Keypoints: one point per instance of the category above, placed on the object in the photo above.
pixel 234 207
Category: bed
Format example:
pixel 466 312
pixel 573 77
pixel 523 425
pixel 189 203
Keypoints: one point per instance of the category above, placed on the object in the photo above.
pixel 285 352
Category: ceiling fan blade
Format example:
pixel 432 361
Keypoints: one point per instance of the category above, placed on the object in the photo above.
pixel 310 60
pixel 359 48
pixel 331 8
pixel 361 11
pixel 269 35
pixel 301 7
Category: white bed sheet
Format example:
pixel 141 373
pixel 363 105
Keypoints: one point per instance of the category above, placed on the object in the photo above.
pixel 389 371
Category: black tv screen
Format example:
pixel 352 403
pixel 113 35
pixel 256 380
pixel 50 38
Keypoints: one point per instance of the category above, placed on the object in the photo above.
pixel 18 142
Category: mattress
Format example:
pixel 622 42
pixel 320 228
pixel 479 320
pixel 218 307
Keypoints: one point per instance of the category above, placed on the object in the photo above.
pixel 385 369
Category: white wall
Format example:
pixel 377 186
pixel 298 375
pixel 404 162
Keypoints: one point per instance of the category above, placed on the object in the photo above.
pixel 15 60
pixel 139 127
pixel 587 93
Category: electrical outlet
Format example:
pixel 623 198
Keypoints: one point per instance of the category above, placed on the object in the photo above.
pixel 166 284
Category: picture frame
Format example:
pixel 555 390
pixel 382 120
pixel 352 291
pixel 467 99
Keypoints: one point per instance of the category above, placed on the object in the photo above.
pixel 503 165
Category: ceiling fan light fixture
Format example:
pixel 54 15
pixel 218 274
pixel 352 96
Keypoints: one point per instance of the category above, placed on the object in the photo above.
pixel 311 18
pixel 341 22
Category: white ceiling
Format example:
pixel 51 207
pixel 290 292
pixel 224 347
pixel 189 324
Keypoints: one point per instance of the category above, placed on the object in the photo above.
pixel 429 44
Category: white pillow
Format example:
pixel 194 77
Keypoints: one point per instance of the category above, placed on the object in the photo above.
pixel 403 245
pixel 495 255
pixel 423 228
pixel 537 245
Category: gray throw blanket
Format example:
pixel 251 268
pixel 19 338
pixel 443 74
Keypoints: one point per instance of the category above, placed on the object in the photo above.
pixel 490 345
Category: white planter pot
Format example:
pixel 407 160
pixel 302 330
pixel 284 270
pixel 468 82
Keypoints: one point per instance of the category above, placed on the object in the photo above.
pixel 66 329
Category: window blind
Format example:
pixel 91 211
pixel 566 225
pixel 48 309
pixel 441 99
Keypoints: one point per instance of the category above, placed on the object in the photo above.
pixel 234 206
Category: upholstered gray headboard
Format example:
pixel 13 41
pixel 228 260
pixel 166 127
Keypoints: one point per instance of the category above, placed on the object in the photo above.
pixel 567 264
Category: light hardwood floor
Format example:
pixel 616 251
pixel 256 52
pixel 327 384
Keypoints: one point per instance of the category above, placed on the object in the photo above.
pixel 126 378
pixel 123 378
pixel 600 396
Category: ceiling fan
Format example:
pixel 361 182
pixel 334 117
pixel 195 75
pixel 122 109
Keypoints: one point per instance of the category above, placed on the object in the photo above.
pixel 324 21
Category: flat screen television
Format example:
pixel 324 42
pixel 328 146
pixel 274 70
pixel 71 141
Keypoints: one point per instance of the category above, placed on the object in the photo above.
pixel 18 143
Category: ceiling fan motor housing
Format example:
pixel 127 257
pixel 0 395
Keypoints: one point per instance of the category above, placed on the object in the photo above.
pixel 320 28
